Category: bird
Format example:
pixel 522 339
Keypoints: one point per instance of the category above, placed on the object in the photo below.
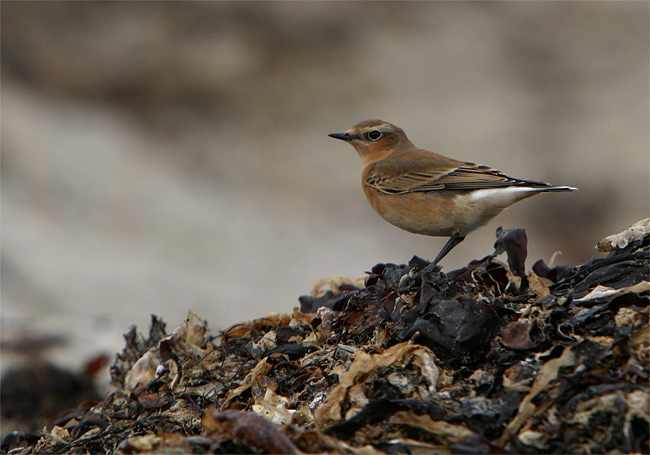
pixel 430 194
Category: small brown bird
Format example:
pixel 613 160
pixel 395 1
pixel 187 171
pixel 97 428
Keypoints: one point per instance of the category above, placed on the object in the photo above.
pixel 426 193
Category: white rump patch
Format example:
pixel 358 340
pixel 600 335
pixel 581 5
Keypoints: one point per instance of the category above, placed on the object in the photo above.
pixel 507 196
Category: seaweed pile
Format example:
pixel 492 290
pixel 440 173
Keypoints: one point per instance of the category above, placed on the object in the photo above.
pixel 484 359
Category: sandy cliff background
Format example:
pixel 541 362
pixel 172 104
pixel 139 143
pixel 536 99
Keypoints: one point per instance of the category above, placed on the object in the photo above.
pixel 160 157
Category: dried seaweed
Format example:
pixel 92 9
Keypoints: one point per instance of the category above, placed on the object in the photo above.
pixel 484 359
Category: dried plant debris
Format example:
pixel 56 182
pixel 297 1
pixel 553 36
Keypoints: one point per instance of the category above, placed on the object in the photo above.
pixel 484 359
pixel 617 241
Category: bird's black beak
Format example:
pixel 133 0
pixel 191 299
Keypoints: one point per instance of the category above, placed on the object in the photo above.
pixel 342 136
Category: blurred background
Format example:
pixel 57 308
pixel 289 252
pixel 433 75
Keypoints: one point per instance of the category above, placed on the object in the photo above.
pixel 162 157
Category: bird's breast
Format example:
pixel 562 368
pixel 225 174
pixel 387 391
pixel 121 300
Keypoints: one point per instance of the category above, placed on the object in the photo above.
pixel 419 213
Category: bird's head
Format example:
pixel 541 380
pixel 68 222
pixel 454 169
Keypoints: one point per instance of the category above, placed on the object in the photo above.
pixel 374 139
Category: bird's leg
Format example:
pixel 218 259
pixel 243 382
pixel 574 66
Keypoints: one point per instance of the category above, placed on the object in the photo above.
pixel 454 240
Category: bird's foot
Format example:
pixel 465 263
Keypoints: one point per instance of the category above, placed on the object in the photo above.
pixel 431 268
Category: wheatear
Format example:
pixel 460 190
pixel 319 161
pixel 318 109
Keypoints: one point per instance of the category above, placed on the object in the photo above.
pixel 426 193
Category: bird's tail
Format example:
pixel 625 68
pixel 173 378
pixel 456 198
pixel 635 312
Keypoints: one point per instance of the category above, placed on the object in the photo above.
pixel 559 188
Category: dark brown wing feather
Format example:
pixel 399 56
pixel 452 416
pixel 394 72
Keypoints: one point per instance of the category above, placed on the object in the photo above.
pixel 464 177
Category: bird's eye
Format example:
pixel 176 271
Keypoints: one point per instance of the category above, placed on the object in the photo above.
pixel 373 135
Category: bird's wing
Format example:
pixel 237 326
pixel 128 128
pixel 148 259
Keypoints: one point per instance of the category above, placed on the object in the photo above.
pixel 422 177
